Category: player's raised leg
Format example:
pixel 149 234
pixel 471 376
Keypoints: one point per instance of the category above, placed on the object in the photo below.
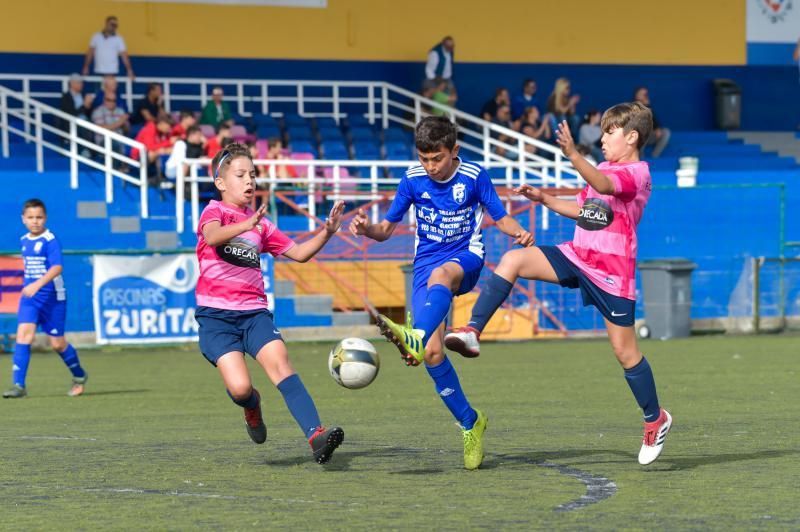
pixel 274 359
pixel 639 375
pixel 234 373
pixel 528 263
pixel 428 314
pixel 21 360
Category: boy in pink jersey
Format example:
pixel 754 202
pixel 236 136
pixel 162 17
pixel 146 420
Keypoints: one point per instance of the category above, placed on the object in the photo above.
pixel 232 307
pixel 600 260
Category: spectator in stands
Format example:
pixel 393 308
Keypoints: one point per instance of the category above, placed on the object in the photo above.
pixel 186 120
pixel 530 124
pixel 110 116
pixel 190 147
pixel 524 100
pixel 156 138
pixel 75 103
pixel 440 95
pixel 216 111
pixel 106 48
pixel 109 84
pixel 660 136
pixel 150 107
pixel 503 118
pixel 440 65
pixel 276 152
pixel 562 104
pixel 489 109
pixel 215 144
pixel 590 134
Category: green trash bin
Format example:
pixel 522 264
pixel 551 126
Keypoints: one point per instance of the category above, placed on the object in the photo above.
pixel 667 287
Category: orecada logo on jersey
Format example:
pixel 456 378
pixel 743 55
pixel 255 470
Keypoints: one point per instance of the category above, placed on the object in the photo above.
pixel 144 298
pixel 240 252
pixel 459 193
pixel 595 215
pixel 775 10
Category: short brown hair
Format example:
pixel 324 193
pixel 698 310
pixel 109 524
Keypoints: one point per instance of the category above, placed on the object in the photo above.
pixel 222 160
pixel 630 116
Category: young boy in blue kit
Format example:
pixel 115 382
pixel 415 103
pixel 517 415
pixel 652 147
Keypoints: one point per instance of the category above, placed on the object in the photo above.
pixel 43 302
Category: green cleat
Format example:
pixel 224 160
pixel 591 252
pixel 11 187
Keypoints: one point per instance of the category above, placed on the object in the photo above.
pixel 407 339
pixel 15 392
pixel 473 442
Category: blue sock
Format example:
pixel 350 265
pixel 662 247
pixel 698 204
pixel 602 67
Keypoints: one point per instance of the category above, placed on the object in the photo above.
pixel 22 357
pixel 437 305
pixel 250 402
pixel 643 386
pixel 449 389
pixel 492 296
pixel 300 404
pixel 70 358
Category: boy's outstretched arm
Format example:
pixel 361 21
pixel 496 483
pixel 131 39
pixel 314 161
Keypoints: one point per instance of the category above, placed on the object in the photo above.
pixel 596 179
pixel 568 208
pixel 215 233
pixel 361 226
pixel 510 226
pixel 304 251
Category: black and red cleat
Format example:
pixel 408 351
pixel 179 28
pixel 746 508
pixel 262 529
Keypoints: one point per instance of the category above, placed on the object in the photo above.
pixel 324 441
pixel 254 422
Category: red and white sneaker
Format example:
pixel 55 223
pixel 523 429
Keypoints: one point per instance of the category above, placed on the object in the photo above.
pixel 464 341
pixel 655 432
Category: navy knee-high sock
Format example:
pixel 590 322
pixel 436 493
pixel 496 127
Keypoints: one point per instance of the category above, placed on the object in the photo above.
pixel 300 404
pixel 70 358
pixel 449 389
pixel 20 361
pixel 437 305
pixel 643 385
pixel 250 402
pixel 492 296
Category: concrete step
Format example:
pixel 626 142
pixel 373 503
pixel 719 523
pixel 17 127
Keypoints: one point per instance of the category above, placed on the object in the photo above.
pixel 314 305
pixel 284 288
pixel 359 317
pixel 92 209
pixel 161 239
pixel 125 224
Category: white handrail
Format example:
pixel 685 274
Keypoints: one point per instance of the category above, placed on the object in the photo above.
pixel 110 156
pixel 312 181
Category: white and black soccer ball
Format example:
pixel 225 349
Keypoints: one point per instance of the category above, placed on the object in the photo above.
pixel 354 363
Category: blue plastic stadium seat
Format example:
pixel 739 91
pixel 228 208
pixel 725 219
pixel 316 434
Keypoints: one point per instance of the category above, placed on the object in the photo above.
pixel 330 133
pixel 335 149
pixel 303 146
pixel 261 119
pixel 358 121
pixel 294 119
pixel 325 121
pixel 267 131
pixel 363 133
pixel 396 134
pixel 300 133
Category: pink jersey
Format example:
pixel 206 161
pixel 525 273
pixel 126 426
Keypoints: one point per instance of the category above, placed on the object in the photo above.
pixel 230 274
pixel 604 246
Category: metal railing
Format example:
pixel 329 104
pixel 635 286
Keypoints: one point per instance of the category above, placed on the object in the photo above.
pixel 67 141
pixel 333 181
pixel 379 102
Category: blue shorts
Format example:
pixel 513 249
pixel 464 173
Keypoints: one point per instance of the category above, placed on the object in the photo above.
pixel 50 314
pixel 617 310
pixel 469 262
pixel 223 331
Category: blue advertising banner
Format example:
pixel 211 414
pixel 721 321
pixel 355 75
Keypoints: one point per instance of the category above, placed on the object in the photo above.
pixel 144 298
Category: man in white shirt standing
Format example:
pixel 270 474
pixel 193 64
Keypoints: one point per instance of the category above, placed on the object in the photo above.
pixel 440 64
pixel 106 47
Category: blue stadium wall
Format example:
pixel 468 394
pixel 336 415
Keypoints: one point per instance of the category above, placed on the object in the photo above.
pixel 683 96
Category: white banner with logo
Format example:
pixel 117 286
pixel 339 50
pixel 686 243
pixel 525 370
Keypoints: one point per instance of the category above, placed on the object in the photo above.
pixel 775 21
pixel 139 299
pixel 150 299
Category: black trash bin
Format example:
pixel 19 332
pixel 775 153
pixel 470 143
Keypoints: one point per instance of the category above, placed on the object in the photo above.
pixel 667 287
pixel 728 104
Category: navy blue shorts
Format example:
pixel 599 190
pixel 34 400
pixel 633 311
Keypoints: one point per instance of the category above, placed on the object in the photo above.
pixel 50 314
pixel 223 331
pixel 617 310
pixel 469 262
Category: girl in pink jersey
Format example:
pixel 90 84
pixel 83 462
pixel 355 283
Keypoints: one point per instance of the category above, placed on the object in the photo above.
pixel 232 307
pixel 600 260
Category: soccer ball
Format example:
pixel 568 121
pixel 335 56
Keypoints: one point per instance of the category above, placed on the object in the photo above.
pixel 354 363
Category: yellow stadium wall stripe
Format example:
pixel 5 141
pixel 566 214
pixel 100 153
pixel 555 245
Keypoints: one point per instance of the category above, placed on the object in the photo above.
pixel 684 32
